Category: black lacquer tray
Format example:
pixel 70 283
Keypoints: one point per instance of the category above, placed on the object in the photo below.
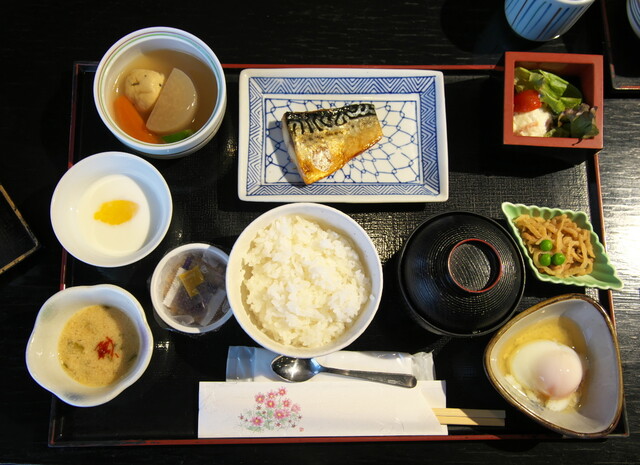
pixel 162 407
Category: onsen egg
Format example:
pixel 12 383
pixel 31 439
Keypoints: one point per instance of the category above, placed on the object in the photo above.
pixel 114 215
pixel 548 368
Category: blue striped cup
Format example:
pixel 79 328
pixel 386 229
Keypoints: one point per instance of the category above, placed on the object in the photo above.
pixel 542 20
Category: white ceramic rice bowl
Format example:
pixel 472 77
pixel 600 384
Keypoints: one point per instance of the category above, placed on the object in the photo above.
pixel 326 216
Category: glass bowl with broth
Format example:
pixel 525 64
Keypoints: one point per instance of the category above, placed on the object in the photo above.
pixel 161 91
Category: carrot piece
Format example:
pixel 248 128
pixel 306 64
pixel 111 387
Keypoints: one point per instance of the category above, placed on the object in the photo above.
pixel 131 122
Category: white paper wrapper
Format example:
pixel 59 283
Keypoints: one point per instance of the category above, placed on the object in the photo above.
pixel 320 409
pixel 254 402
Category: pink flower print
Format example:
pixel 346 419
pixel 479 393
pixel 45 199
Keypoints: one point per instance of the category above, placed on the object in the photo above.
pixel 271 412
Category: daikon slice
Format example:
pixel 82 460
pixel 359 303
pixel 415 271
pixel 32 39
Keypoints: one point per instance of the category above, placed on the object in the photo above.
pixel 176 106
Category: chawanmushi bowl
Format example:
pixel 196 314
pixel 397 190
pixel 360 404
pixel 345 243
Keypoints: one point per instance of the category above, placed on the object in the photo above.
pixel 42 349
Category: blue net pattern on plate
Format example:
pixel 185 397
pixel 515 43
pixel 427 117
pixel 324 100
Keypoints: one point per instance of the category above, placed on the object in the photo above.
pixel 404 162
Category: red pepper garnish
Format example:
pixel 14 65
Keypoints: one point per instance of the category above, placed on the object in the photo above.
pixel 106 347
pixel 527 100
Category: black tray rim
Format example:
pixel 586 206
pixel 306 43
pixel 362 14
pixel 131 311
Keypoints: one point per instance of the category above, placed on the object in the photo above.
pixel 604 296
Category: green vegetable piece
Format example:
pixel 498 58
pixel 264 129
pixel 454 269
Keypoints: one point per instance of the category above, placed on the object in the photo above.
pixel 560 92
pixel 557 93
pixel 178 136
pixel 558 259
pixel 545 259
pixel 546 245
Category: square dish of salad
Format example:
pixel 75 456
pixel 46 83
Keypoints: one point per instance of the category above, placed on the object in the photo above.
pixel 553 100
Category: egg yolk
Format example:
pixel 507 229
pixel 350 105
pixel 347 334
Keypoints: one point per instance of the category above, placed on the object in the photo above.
pixel 116 212
pixel 559 374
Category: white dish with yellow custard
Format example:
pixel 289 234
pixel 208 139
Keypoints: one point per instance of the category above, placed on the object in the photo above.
pixel 108 354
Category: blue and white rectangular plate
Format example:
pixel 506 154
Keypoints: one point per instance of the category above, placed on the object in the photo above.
pixel 409 163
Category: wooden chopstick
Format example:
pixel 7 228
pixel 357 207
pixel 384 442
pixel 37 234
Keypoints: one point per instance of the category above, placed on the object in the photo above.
pixel 469 416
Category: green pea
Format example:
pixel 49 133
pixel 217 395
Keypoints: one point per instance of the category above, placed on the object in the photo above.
pixel 546 245
pixel 544 259
pixel 558 259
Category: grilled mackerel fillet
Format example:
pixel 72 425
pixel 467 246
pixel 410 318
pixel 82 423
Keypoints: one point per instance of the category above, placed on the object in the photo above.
pixel 321 142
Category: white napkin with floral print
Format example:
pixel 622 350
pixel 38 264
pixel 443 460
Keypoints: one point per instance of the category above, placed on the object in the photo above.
pixel 327 406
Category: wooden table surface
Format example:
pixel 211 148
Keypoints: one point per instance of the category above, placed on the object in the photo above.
pixel 41 42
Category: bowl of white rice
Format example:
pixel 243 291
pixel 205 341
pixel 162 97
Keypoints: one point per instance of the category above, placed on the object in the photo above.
pixel 304 280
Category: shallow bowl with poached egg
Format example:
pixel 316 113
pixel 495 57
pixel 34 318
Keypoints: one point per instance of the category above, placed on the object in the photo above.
pixel 559 363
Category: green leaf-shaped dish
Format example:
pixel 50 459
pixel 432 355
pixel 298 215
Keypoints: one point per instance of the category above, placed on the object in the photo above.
pixel 604 274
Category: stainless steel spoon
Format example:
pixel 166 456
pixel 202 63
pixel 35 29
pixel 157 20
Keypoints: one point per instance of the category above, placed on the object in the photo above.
pixel 302 369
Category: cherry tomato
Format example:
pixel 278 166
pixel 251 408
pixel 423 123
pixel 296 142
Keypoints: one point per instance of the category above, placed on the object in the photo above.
pixel 527 100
